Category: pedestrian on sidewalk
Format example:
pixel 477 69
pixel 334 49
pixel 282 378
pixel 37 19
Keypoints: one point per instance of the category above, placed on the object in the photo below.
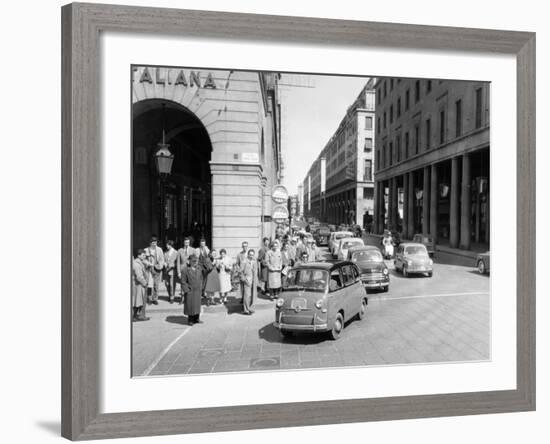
pixel 170 273
pixel 139 286
pixel 249 282
pixel 303 259
pixel 287 263
pixel 274 260
pixel 192 284
pixel 263 265
pixel 212 287
pixel 204 258
pixel 224 271
pixel 155 257
pixel 183 261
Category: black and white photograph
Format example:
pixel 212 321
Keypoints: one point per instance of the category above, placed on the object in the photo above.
pixel 285 221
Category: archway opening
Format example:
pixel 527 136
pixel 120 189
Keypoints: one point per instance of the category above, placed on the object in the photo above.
pixel 180 204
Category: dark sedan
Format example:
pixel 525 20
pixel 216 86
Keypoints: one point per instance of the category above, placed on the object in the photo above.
pixel 374 272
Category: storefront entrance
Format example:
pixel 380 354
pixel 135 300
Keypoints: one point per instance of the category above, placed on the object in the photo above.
pixel 178 204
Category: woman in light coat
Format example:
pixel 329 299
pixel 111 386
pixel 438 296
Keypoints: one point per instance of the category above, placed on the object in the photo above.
pixel 274 261
pixel 212 280
pixel 224 266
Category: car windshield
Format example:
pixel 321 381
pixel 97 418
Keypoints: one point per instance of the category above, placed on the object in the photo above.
pixel 416 249
pixel 341 235
pixel 348 244
pixel 367 256
pixel 306 279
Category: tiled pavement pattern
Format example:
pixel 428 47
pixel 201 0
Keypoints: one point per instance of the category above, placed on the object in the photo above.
pixel 395 331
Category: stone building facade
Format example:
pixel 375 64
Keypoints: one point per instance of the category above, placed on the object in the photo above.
pixel 223 128
pixel 339 186
pixel 433 165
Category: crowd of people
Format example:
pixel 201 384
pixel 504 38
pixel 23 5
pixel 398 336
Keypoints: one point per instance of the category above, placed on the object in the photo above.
pixel 209 276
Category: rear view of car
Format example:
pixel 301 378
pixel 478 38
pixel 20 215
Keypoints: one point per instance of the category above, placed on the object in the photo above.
pixel 425 240
pixel 374 272
pixel 347 243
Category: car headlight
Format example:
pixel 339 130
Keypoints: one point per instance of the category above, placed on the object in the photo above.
pixel 385 271
pixel 319 304
pixel 409 263
pixel 431 262
pixel 280 302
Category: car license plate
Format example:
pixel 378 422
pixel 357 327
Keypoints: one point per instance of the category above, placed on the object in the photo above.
pixel 298 303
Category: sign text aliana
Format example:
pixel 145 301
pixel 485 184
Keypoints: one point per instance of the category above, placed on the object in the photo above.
pixel 167 76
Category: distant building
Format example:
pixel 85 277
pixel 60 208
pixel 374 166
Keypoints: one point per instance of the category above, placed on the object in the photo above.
pixel 432 162
pixel 339 186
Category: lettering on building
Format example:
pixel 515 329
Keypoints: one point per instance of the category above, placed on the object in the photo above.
pixel 176 77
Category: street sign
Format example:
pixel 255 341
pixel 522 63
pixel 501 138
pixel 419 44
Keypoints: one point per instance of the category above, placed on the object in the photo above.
pixel 279 194
pixel 279 214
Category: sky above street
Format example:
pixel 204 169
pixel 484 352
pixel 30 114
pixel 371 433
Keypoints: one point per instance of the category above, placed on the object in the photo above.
pixel 310 116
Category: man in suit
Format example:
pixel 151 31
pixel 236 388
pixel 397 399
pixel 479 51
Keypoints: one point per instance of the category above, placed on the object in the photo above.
pixel 155 257
pixel 192 282
pixel 249 282
pixel 139 286
pixel 182 260
pixel 170 258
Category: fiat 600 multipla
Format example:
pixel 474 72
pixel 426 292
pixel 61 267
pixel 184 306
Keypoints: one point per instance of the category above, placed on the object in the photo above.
pixel 320 297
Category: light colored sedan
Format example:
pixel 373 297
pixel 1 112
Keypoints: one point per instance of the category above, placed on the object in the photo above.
pixel 483 262
pixel 334 240
pixel 413 258
pixel 345 244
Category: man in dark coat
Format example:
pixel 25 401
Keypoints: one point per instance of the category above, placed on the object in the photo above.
pixel 192 282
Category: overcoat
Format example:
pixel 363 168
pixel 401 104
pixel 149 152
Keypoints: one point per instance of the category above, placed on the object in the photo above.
pixel 249 281
pixel 139 283
pixel 191 284
pixel 274 261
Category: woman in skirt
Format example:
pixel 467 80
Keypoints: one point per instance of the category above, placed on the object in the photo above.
pixel 212 286
pixel 274 260
pixel 224 265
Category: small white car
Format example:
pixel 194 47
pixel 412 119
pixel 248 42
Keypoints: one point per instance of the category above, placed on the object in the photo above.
pixel 345 244
pixel 334 240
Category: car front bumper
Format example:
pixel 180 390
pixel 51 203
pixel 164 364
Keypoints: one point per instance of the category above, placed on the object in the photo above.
pixel 297 327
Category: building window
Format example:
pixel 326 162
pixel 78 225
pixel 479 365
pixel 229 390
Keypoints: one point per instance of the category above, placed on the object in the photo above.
pixel 368 193
pixel 428 133
pixel 377 159
pixel 385 120
pixel 428 86
pixel 478 108
pixel 407 99
pixel 416 139
pixel 391 84
pixel 441 127
pixel 407 144
pixel 385 88
pixel 458 114
pixel 398 147
pixel 391 114
pixel 368 145
pixel 417 91
pixel 368 171
pixel 391 153
pixel 378 125
pixel 368 123
pixel 398 107
pixel 379 95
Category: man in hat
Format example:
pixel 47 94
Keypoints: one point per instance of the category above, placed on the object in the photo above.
pixel 192 283
pixel 139 286
pixel 182 261
pixel 249 281
pixel 155 257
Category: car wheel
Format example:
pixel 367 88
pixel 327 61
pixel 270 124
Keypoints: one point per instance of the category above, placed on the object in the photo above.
pixel 386 289
pixel 362 310
pixel 338 327
pixel 430 274
pixel 404 271
pixel 481 267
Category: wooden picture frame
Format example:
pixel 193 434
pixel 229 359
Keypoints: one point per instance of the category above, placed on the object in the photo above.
pixel 81 172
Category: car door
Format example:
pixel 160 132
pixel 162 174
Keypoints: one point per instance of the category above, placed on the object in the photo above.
pixel 335 296
pixel 399 258
pixel 350 308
